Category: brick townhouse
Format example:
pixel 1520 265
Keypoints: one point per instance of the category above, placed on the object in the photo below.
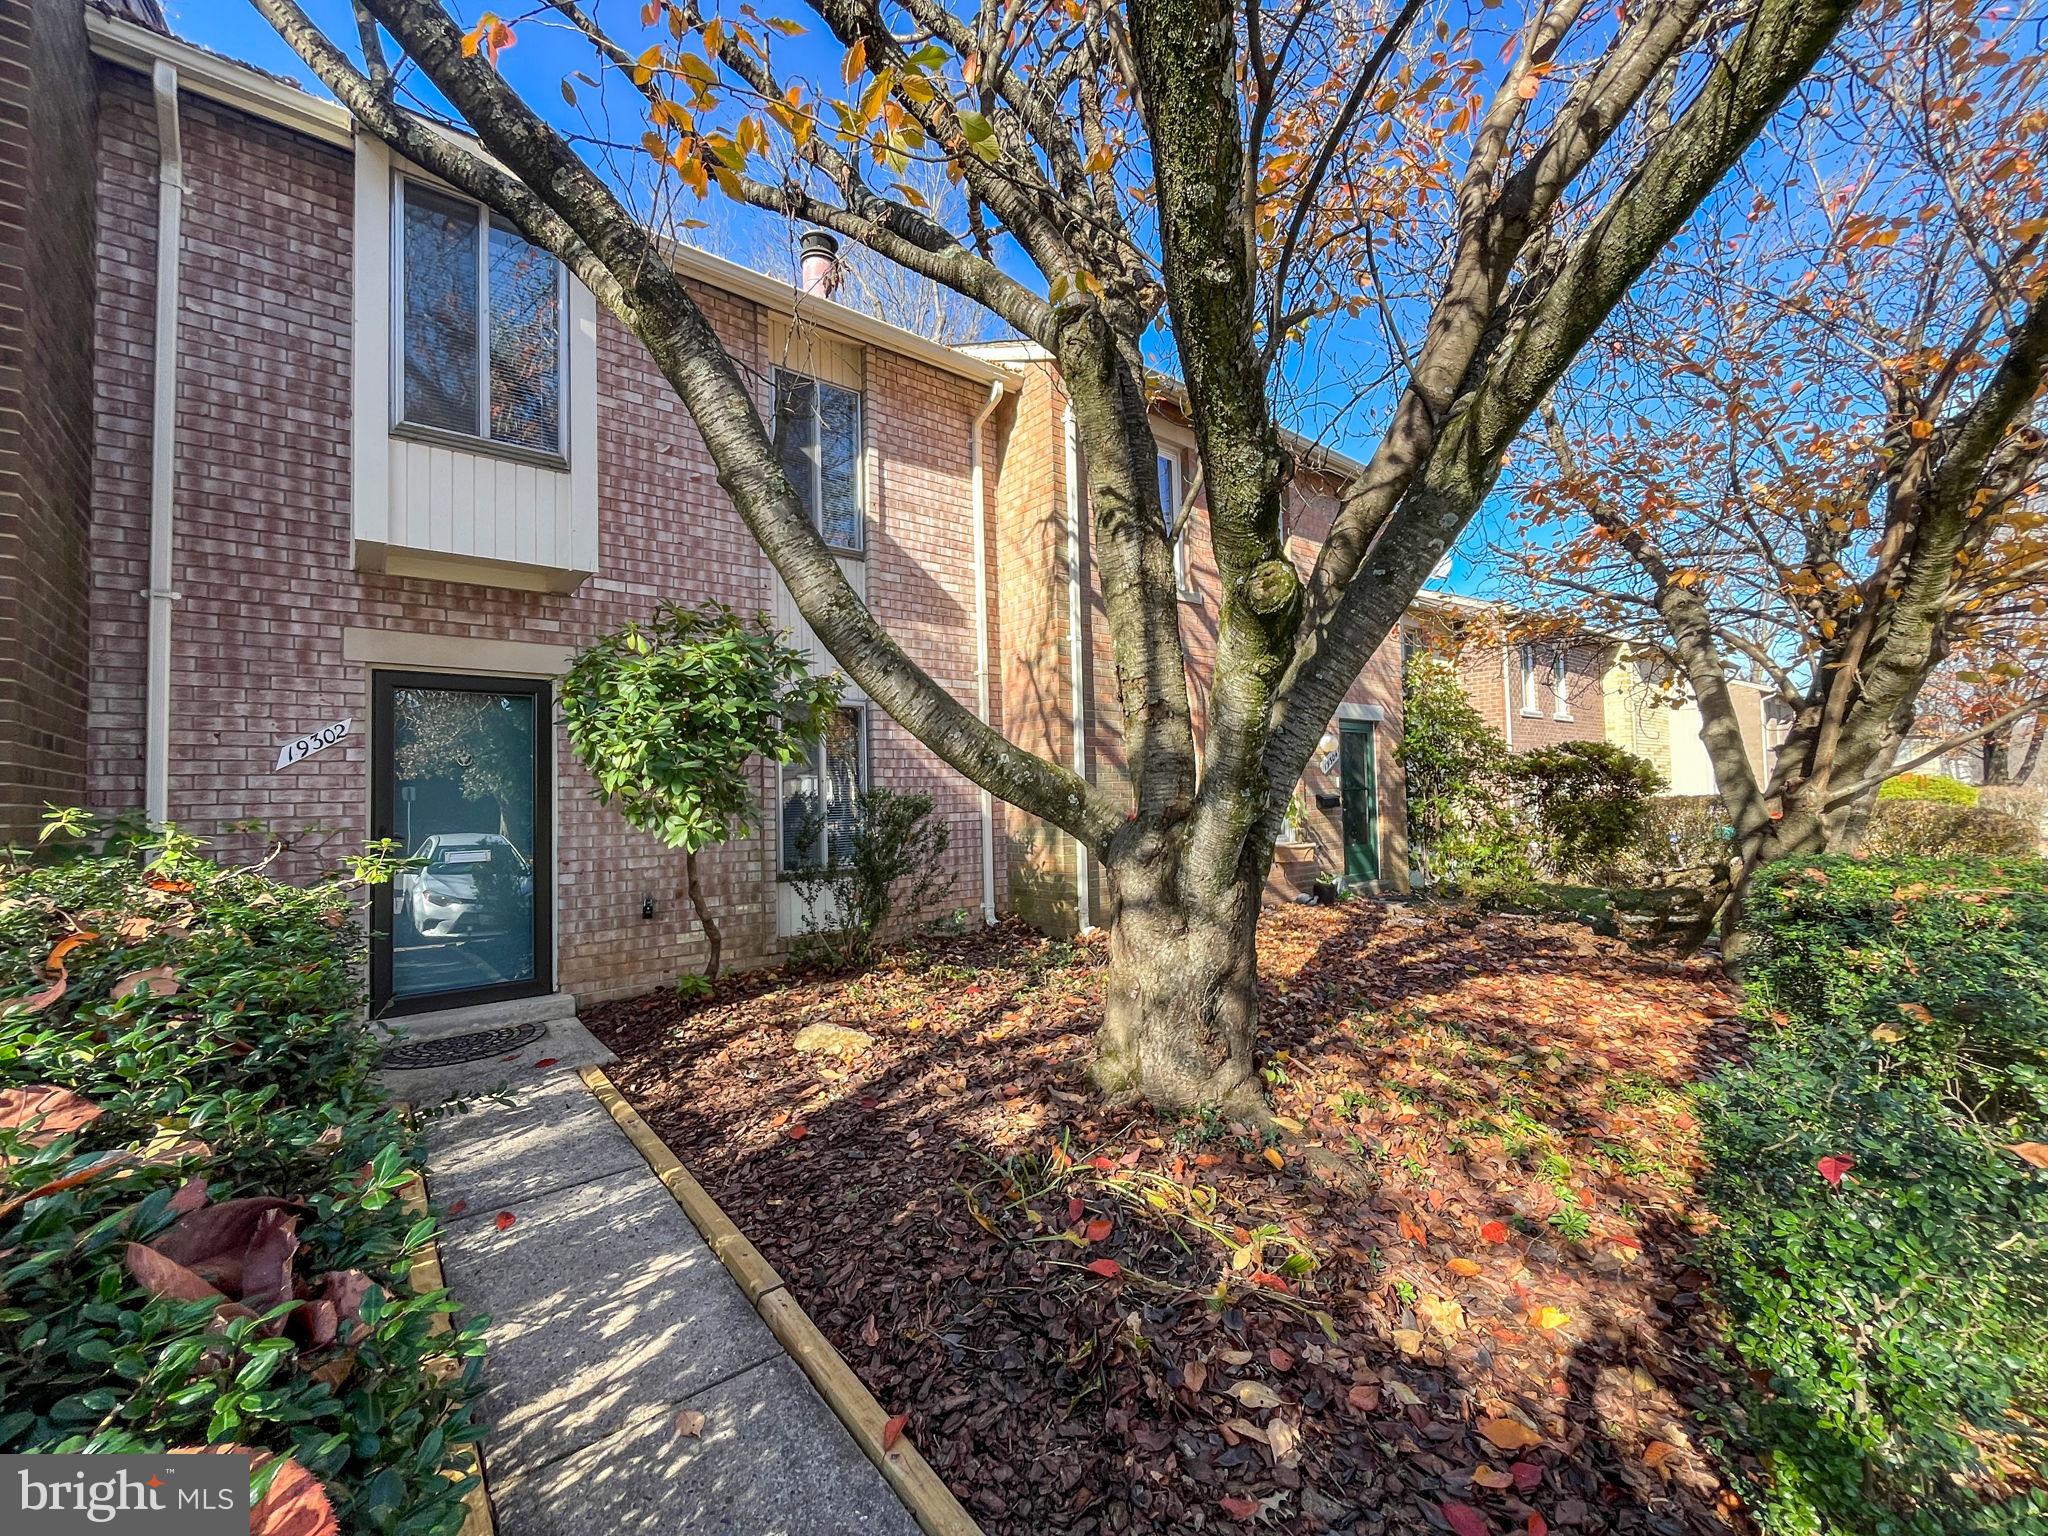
pixel 365 469
pixel 1542 685
pixel 313 477
pixel 1058 671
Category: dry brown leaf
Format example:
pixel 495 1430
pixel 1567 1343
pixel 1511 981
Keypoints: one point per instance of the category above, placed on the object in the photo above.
pixel 1255 1394
pixel 690 1423
pixel 1509 1434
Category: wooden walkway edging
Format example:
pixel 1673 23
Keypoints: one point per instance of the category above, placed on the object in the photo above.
pixel 425 1276
pixel 929 1500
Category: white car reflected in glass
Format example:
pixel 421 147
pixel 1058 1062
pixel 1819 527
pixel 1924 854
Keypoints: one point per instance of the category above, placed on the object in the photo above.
pixel 470 885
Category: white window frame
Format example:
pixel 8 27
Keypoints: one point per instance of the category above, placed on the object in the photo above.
pixel 862 782
pixel 481 441
pixel 1528 659
pixel 1170 511
pixel 1560 680
pixel 860 455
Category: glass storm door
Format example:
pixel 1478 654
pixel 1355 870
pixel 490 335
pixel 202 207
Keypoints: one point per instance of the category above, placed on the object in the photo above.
pixel 460 783
pixel 1360 783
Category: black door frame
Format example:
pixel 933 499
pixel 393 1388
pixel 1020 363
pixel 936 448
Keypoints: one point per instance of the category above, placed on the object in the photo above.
pixel 384 683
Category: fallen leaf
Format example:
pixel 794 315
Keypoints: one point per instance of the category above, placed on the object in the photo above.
pixel 504 1220
pixel 2033 1153
pixel 457 1209
pixel 1494 1232
pixel 1193 1375
pixel 157 981
pixel 1656 1453
pixel 893 1430
pixel 1528 1476
pixel 1550 1317
pixel 1538 1526
pixel 1364 1397
pixel 42 1113
pixel 545 1061
pixel 1834 1165
pixel 1109 1269
pixel 1487 1477
pixel 1255 1394
pixel 1463 1518
pixel 1238 1509
pixel 797 1132
pixel 1098 1229
pixel 1509 1434
pixel 690 1423
pixel 1285 1441
pixel 1465 1268
pixel 1273 1156
pixel 1408 1341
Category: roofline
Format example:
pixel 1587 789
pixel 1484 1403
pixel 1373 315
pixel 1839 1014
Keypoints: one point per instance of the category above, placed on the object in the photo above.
pixel 1320 456
pixel 250 90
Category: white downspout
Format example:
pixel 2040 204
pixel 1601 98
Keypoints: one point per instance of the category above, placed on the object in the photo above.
pixel 1510 695
pixel 163 458
pixel 981 679
pixel 1076 653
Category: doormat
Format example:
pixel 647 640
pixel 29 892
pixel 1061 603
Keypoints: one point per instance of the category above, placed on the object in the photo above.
pixel 453 1050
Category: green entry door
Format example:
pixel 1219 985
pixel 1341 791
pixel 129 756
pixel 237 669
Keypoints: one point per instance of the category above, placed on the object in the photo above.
pixel 1360 783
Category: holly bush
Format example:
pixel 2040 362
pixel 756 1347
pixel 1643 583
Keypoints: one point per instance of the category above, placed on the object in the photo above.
pixel 177 1037
pixel 1877 1170
pixel 1937 787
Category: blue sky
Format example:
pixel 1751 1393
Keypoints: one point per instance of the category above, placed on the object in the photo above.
pixel 537 65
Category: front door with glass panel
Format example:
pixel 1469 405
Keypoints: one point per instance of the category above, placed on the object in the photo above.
pixel 1359 780
pixel 460 783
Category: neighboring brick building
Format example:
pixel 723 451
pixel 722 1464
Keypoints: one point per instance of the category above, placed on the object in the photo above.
pixel 349 545
pixel 1054 624
pixel 46 296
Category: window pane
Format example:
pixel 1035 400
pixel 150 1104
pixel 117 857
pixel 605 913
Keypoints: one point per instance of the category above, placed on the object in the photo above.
pixel 842 786
pixel 796 435
pixel 802 814
pixel 839 467
pixel 1169 504
pixel 441 387
pixel 526 344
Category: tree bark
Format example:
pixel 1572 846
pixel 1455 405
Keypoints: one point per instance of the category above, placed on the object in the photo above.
pixel 710 924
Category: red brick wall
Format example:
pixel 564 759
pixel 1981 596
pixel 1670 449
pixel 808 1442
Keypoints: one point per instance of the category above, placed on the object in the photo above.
pixel 1492 677
pixel 46 296
pixel 263 544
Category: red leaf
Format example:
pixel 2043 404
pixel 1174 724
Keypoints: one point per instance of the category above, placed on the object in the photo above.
pixel 798 1132
pixel 545 1061
pixel 504 1220
pixel 1833 1166
pixel 1364 1397
pixel 1239 1509
pixel 457 1209
pixel 165 1277
pixel 1075 1210
pixel 1494 1232
pixel 1463 1518
pixel 893 1430
pixel 296 1504
pixel 1538 1526
pixel 191 1196
pixel 1109 1269
pixel 1098 1229
pixel 267 1265
pixel 1527 1475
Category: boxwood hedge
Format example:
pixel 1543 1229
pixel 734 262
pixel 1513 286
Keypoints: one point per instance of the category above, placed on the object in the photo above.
pixel 212 1017
pixel 1882 1254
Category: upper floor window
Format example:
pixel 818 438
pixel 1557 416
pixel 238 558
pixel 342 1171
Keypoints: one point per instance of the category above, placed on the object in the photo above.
pixel 1545 666
pixel 1170 513
pixel 480 325
pixel 818 439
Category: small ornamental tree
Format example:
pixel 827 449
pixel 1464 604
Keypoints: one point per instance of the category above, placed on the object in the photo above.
pixel 1591 800
pixel 668 715
pixel 1450 758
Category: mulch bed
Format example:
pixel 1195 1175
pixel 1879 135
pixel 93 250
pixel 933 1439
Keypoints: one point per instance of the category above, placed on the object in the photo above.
pixel 1105 1321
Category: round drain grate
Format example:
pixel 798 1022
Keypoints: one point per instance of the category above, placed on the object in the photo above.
pixel 453 1050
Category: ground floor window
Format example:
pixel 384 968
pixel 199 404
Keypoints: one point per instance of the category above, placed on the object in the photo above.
pixel 820 795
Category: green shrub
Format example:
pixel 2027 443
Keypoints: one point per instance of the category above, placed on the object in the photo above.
pixel 1590 801
pixel 1928 786
pixel 1882 1253
pixel 893 859
pixel 237 1057
pixel 1681 835
pixel 1940 829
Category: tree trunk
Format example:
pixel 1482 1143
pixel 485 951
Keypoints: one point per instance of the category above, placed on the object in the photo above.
pixel 1181 1008
pixel 704 917
pixel 1998 757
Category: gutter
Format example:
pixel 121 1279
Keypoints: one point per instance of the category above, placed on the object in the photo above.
pixel 1076 653
pixel 981 678
pixel 163 447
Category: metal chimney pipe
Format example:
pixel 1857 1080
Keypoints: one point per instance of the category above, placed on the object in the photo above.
pixel 819 268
